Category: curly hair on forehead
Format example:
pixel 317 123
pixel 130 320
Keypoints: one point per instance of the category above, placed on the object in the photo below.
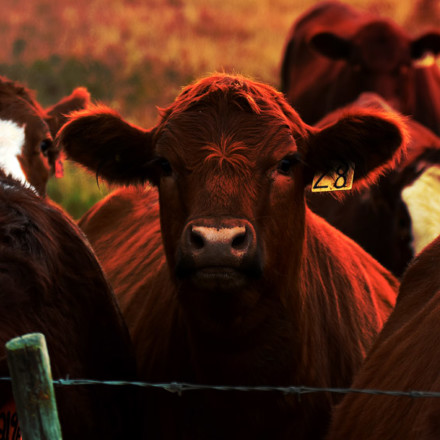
pixel 246 94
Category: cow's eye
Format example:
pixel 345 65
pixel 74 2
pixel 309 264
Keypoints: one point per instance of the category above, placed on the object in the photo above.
pixel 285 165
pixel 165 166
pixel 45 145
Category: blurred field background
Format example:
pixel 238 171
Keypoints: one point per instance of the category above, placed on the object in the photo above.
pixel 134 55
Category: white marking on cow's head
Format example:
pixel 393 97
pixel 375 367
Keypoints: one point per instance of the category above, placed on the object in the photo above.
pixel 12 140
pixel 422 200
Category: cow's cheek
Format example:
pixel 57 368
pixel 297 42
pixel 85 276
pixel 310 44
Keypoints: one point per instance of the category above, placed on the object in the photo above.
pixel 172 217
pixel 36 170
pixel 284 232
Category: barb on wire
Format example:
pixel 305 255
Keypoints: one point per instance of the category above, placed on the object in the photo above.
pixel 180 387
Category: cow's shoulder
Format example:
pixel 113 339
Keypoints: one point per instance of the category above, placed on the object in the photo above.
pixel 124 230
pixel 404 357
pixel 341 259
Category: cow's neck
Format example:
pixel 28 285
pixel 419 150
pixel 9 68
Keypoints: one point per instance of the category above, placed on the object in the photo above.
pixel 266 352
pixel 267 343
pixel 327 319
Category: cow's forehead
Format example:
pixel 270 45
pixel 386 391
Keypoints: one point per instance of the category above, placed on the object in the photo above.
pixel 381 38
pixel 23 112
pixel 226 136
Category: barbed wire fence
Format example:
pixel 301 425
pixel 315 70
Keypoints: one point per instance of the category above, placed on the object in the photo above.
pixel 33 387
pixel 181 387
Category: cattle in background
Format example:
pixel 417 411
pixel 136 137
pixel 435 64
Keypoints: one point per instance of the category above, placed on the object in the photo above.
pixel 335 52
pixel 393 219
pixel 421 199
pixel 249 286
pixel 27 131
pixel 405 357
pixel 52 283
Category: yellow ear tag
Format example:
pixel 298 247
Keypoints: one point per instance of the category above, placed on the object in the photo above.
pixel 338 177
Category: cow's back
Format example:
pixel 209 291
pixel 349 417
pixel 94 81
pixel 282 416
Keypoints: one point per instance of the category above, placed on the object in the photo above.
pixel 124 230
pixel 53 284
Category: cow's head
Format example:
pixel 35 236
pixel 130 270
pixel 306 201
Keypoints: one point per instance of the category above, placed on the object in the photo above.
pixel 27 151
pixel 380 58
pixel 231 160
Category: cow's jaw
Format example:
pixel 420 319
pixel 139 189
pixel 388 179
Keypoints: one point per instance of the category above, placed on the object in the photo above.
pixel 218 264
pixel 218 278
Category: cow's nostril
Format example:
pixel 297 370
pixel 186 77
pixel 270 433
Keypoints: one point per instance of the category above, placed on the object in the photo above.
pixel 239 242
pixel 197 240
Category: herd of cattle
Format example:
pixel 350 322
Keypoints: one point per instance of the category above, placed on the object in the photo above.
pixel 217 262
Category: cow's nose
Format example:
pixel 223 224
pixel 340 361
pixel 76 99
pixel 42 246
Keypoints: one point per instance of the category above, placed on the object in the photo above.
pixel 234 240
pixel 223 245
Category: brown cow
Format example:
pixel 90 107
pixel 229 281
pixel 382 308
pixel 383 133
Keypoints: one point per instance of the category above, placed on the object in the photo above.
pixel 52 283
pixel 27 131
pixel 249 286
pixel 404 358
pixel 335 52
pixel 381 218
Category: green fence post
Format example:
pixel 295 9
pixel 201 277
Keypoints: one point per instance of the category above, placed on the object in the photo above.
pixel 29 368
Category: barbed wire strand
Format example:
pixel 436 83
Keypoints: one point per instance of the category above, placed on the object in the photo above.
pixel 180 387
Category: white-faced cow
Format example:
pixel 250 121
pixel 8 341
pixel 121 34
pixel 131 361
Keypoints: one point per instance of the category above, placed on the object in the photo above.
pixel 238 282
pixel 27 131
pixel 51 282
pixel 404 358
pixel 421 199
pixel 334 52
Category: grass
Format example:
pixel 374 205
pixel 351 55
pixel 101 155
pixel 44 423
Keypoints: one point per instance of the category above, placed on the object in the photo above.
pixel 82 188
pixel 135 55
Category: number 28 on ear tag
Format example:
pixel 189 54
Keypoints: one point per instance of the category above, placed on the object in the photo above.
pixel 338 177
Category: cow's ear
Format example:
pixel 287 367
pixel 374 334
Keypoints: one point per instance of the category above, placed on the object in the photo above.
pixel 373 141
pixel 429 42
pixel 57 114
pixel 100 140
pixel 331 46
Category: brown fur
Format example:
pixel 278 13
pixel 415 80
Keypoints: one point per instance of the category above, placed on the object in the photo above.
pixel 335 52
pixel 52 283
pixel 404 358
pixel 308 317
pixel 18 104
pixel 376 217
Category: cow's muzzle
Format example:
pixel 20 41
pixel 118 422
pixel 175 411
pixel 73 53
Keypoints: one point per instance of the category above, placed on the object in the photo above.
pixel 218 254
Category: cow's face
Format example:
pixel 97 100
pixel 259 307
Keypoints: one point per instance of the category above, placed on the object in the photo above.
pixel 27 151
pixel 231 160
pixel 25 144
pixel 229 188
pixel 379 58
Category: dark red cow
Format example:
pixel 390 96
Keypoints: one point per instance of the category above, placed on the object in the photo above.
pixel 52 283
pixel 27 131
pixel 405 357
pixel 238 283
pixel 381 218
pixel 335 52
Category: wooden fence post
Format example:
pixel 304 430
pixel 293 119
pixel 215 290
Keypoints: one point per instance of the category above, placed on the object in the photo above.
pixel 29 368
